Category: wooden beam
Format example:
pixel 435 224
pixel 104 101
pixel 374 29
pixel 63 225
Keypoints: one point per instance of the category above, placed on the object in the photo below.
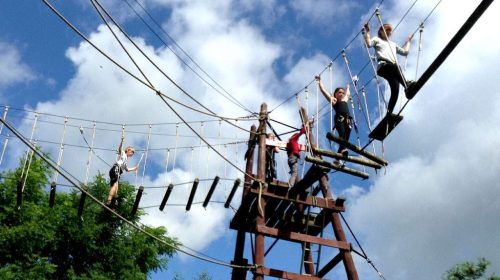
pixel 300 237
pixel 241 274
pixel 20 191
pixel 231 194
pixel 469 23
pixel 52 195
pixel 82 200
pixel 340 156
pixel 166 196
pixel 310 200
pixel 191 195
pixel 260 206
pixel 211 191
pixel 343 169
pixel 356 149
pixel 312 175
pixel 137 200
pixel 386 125
pixel 330 265
pixel 261 271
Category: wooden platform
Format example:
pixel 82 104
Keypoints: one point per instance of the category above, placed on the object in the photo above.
pixel 284 214
pixel 388 123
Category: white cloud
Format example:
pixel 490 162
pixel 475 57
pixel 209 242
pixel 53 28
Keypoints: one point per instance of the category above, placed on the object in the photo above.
pixel 437 204
pixel 99 91
pixel 323 12
pixel 12 69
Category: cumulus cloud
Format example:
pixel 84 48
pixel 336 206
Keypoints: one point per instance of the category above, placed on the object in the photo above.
pixel 12 69
pixel 437 204
pixel 100 91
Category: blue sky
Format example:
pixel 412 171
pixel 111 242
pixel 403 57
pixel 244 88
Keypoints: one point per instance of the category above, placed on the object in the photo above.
pixel 435 205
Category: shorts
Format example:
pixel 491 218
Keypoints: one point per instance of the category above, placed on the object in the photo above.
pixel 114 174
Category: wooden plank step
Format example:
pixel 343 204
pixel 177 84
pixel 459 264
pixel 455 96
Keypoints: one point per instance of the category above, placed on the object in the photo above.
pixel 386 125
pixel 356 149
pixel 352 159
pixel 340 168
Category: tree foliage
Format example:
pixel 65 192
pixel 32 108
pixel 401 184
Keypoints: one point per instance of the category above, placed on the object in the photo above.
pixel 39 242
pixel 469 271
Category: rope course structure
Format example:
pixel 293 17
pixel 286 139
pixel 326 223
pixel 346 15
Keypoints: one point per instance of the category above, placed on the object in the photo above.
pixel 270 207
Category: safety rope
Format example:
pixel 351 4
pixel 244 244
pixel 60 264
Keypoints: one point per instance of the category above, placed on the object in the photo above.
pixel 6 109
pixel 136 225
pixel 145 156
pixel 419 48
pixel 227 95
pixel 354 83
pixel 394 55
pixel 61 150
pixel 91 148
pixel 33 128
pixel 89 155
pixel 159 93
pixel 152 63
pixel 361 248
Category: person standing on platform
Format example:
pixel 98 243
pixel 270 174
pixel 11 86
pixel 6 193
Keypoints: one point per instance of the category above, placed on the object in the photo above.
pixel 270 159
pixel 343 120
pixel 293 152
pixel 388 68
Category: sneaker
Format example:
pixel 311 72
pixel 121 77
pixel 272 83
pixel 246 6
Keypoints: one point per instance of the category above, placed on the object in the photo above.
pixel 409 92
pixel 344 152
pixel 338 163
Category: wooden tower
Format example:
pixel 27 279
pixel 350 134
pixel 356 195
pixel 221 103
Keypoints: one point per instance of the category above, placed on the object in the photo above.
pixel 272 209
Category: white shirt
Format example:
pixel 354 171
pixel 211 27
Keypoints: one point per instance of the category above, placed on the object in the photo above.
pixel 386 50
pixel 121 161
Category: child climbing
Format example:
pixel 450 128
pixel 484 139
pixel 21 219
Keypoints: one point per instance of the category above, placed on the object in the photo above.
pixel 343 120
pixel 293 152
pixel 270 159
pixel 117 169
pixel 388 68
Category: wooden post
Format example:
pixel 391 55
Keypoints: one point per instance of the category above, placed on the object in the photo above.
pixel 261 205
pixel 349 266
pixel 240 274
pixel 20 191
pixel 233 191
pixel 166 196
pixel 137 200
pixel 52 195
pixel 211 191
pixel 469 23
pixel 82 200
pixel 191 195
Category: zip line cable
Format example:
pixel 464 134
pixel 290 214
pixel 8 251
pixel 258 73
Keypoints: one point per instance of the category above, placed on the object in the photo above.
pixel 113 150
pixel 77 184
pixel 247 118
pixel 152 63
pixel 333 60
pixel 130 131
pixel 361 248
pixel 228 97
pixel 130 73
pixel 163 97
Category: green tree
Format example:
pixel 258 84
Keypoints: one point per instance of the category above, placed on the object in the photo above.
pixel 39 242
pixel 469 271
